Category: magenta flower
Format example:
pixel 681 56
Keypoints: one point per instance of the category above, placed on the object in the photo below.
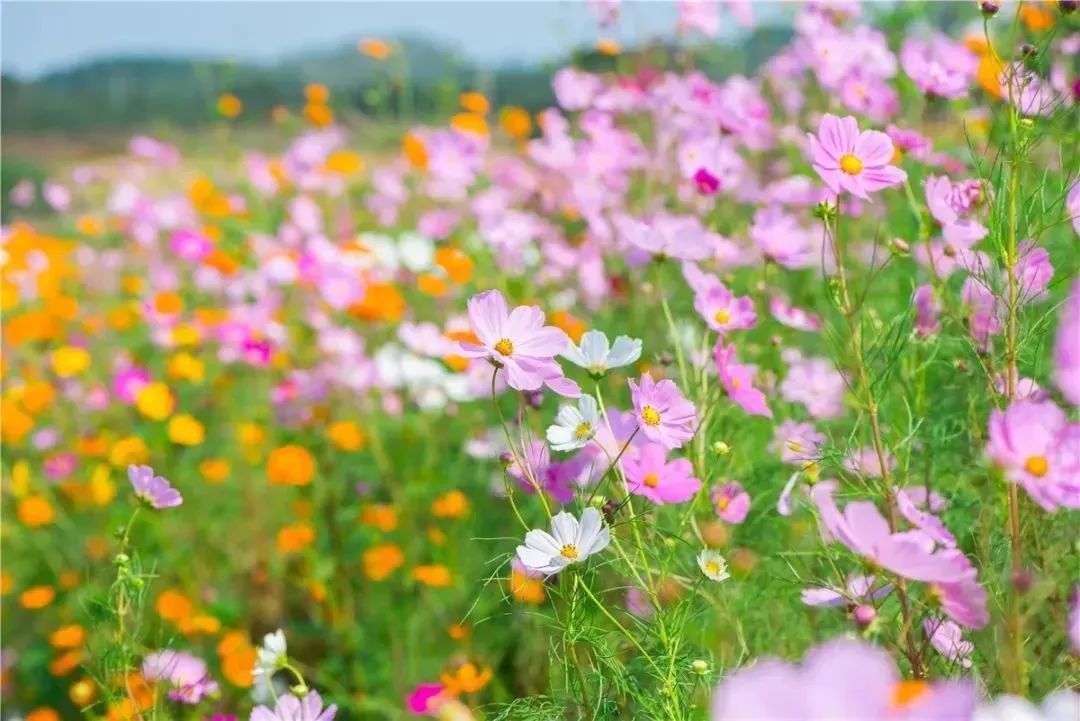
pixel 663 414
pixel 1067 347
pixel 519 343
pixel 862 528
pixel 922 519
pixel 730 501
pixel 782 239
pixel 940 66
pixel 927 310
pixel 737 380
pixel 650 475
pixel 963 599
pixel 151 489
pixel 424 698
pixel 1033 272
pixel 853 161
pixel 723 311
pixel 824 687
pixel 1035 445
pixel 190 245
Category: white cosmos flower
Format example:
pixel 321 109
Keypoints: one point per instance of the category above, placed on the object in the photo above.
pixel 417 252
pixel 574 426
pixel 569 542
pixel 713 565
pixel 271 656
pixel 597 357
pixel 1059 706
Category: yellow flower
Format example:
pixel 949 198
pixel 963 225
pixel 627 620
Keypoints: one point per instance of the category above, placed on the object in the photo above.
pixel 184 430
pixel 128 450
pixel 70 361
pixel 344 162
pixel 102 487
pixel 346 435
pixel 184 366
pixel 185 334
pixel 215 470
pixel 155 401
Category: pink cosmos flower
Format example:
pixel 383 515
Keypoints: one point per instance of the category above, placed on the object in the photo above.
pixel 1036 446
pixel 1033 272
pixel 797 443
pixel 859 589
pixel 700 15
pixel 723 311
pixel 793 317
pixel 666 236
pixel 947 639
pixel 907 501
pixel 782 239
pixel 649 474
pixel 963 599
pixel 927 310
pixel 822 688
pixel 737 380
pixel 940 66
pixel 574 89
pixel 862 528
pixel 865 462
pixel 518 343
pixel 186 674
pixel 190 245
pixel 816 384
pixel 1067 347
pixel 663 414
pixel 730 501
pixel 291 708
pixel 853 161
pixel 152 489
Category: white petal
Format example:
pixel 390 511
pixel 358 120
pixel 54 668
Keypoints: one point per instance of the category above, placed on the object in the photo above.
pixel 533 558
pixel 626 350
pixel 564 439
pixel 564 527
pixel 542 541
pixel 603 538
pixel 594 346
pixel 588 410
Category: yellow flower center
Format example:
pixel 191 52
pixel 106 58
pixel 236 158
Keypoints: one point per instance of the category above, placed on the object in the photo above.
pixel 722 317
pixel 735 384
pixel 712 568
pixel 723 502
pixel 583 430
pixel 651 416
pixel 651 480
pixel 905 693
pixel 505 346
pixel 850 164
pixel 1037 466
pixel 569 552
pixel 794 446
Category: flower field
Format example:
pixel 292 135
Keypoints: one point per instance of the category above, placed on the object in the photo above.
pixel 690 397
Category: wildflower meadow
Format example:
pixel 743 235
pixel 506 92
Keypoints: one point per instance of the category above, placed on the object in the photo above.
pixel 690 396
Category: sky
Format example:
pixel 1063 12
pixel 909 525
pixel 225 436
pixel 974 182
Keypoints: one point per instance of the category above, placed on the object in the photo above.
pixel 40 36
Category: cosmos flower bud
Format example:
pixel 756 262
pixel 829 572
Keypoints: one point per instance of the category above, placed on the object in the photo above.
pixel 864 615
pixel 700 667
pixel 989 8
pixel 1067 7
pixel 721 449
pixel 1023 579
pixel 899 246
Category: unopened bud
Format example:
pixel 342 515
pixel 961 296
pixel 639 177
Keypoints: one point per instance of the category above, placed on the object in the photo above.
pixel 864 615
pixel 1023 579
pixel 989 8
pixel 721 449
pixel 1027 50
pixel 900 246
pixel 1067 7
pixel 700 667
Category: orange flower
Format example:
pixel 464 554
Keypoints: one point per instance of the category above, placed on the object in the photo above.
pixel 572 326
pixel 65 663
pixel 129 450
pixel 83 692
pixel 67 637
pixel 290 465
pixel 16 422
pixel 35 511
pixel 173 606
pixel 7 582
pixel 458 631
pixel 89 225
pixel 295 538
pixel 37 597
pixel 93 446
pixel 382 301
pixel 346 436
pixel 237 658
pixel 1036 18
pixel 525 589
pixel 318 114
pixel 515 122
pixel 42 713
pixel 434 575
pixel 199 624
pixel 375 48
pixel 412 147
pixel 474 102
pixel 69 579
pixel 382 560
pixel 316 93
pixel 469 123
pixel 215 470
pixel 379 515
pixel 466 678
pixel 458 265
pixel 37 396
pixel 452 504
pixel 433 285
pixel 229 105
pixel 608 46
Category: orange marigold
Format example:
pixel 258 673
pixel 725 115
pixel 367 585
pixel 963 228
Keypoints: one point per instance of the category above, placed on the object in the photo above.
pixel 290 465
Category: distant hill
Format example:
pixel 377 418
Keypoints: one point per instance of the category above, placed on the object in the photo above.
pixel 126 93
